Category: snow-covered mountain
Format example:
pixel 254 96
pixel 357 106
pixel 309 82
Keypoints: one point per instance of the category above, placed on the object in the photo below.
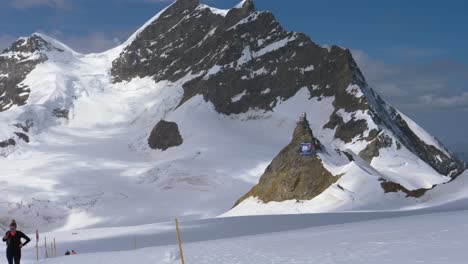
pixel 184 117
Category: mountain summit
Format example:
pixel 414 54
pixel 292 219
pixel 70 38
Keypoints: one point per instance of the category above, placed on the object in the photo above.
pixel 186 115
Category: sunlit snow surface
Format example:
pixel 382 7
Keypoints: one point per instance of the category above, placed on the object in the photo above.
pixel 392 237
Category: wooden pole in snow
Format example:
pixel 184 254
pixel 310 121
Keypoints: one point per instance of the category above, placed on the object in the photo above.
pixel 180 242
pixel 45 246
pixel 37 245
pixel 55 248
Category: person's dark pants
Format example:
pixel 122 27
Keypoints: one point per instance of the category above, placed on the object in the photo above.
pixel 14 257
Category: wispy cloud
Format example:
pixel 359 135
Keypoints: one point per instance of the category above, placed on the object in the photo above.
pixel 456 101
pixel 429 85
pixel 26 4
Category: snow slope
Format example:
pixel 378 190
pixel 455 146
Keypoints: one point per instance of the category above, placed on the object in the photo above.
pixel 417 237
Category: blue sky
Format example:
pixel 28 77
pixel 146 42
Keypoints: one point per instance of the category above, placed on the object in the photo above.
pixel 415 53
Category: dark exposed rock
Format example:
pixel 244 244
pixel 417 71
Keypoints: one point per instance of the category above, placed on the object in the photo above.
pixel 22 136
pixel 292 176
pixel 348 155
pixel 25 126
pixel 391 187
pixel 165 135
pixel 7 143
pixel 16 62
pixel 373 148
pixel 60 113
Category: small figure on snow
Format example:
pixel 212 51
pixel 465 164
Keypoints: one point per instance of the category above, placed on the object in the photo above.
pixel 67 253
pixel 73 252
pixel 13 239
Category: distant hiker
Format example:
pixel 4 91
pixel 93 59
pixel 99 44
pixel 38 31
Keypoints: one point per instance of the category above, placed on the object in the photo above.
pixel 14 244
pixel 67 253
pixel 73 252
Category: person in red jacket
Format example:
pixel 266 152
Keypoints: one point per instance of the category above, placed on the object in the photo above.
pixel 13 239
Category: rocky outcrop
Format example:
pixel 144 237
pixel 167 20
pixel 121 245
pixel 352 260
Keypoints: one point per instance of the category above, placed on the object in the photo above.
pixel 165 135
pixel 373 148
pixel 16 62
pixel 392 187
pixel 8 143
pixel 292 176
pixel 61 113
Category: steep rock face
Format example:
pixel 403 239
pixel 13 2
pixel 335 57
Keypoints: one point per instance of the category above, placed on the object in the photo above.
pixel 292 176
pixel 165 135
pixel 410 135
pixel 242 59
pixel 16 62
pixel 438 159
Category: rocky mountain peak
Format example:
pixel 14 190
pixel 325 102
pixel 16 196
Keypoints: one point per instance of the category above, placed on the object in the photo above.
pixel 32 44
pixel 293 175
pixel 243 10
pixel 182 5
pixel 303 133
pixel 247 5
